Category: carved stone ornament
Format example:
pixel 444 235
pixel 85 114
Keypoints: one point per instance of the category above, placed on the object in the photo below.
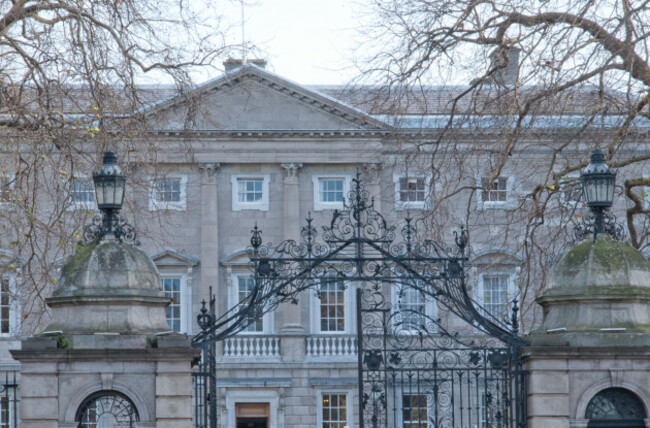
pixel 290 171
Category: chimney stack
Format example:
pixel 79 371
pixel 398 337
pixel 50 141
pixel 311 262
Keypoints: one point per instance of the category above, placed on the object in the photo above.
pixel 231 63
pixel 506 76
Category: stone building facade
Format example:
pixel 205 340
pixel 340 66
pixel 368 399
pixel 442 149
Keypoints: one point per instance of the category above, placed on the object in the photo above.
pixel 263 150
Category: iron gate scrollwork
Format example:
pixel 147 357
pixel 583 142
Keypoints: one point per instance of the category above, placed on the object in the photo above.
pixel 417 368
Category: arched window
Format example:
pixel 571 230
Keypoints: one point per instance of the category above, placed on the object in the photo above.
pixel 106 409
pixel 615 407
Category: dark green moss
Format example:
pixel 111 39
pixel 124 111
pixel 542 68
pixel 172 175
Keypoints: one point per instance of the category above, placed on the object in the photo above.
pixel 608 256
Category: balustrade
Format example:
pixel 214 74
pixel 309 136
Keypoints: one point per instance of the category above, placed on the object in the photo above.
pixel 332 346
pixel 252 346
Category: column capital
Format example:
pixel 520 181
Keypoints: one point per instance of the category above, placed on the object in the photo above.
pixel 290 172
pixel 371 170
pixel 209 170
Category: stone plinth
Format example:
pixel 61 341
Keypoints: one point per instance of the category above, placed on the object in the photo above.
pixel 108 338
pixel 595 334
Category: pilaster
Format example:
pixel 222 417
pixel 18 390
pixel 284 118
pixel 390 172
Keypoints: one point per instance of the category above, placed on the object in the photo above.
pixel 292 322
pixel 372 180
pixel 209 230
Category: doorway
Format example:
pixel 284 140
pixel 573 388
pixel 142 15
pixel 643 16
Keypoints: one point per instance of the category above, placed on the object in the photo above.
pixel 252 415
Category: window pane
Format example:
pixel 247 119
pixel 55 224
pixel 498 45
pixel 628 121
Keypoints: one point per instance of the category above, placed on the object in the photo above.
pixel 495 190
pixel 334 410
pixel 5 188
pixel 172 288
pixel 495 295
pixel 82 191
pixel 5 306
pixel 411 189
pixel 414 411
pixel 249 190
pixel 332 305
pixel 411 306
pixel 331 189
pixel 168 190
pixel 245 288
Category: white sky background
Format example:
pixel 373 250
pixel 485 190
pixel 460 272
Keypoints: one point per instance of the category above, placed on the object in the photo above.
pixel 307 41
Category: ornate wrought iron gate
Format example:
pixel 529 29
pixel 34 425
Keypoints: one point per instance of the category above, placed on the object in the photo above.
pixel 416 376
pixel 417 368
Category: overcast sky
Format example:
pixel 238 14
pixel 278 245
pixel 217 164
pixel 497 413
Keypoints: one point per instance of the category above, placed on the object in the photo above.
pixel 307 41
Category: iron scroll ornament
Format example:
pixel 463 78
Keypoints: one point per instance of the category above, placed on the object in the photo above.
pixel 101 224
pixel 358 245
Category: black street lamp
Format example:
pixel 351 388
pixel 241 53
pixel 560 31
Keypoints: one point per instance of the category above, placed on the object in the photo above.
pixel 598 181
pixel 109 183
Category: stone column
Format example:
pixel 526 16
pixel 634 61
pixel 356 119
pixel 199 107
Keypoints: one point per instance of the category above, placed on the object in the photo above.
pixel 291 230
pixel 372 180
pixel 292 343
pixel 209 231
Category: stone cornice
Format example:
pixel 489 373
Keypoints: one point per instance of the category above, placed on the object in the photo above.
pixel 273 133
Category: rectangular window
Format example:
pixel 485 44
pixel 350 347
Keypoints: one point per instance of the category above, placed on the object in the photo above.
pixel 169 193
pixel 5 412
pixel 172 288
pixel 414 411
pixel 495 295
pixel 249 190
pixel 331 189
pixel 168 190
pixel 334 410
pixel 571 191
pixel 412 189
pixel 82 192
pixel 5 188
pixel 411 307
pixel 332 305
pixel 245 287
pixel 494 190
pixel 5 305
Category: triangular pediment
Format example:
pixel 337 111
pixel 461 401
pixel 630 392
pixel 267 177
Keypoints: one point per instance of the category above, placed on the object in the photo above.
pixel 173 258
pixel 251 98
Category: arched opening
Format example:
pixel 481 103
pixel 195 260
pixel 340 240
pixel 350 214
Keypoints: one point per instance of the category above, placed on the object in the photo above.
pixel 615 407
pixel 107 409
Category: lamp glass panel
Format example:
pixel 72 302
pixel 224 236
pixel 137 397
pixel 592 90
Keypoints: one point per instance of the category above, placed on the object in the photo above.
pixel 109 192
pixel 590 189
pixel 119 193
pixel 99 193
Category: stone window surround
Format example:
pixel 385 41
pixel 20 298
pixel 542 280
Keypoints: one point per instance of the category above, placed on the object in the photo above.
pixel 268 319
pixel 181 205
pixel 263 205
pixel 234 396
pixel 171 263
pixel 431 308
pixel 349 308
pixel 482 205
pixel 349 393
pixel 412 205
pixel 320 205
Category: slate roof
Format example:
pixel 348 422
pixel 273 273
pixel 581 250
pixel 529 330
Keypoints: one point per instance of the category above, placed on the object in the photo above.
pixel 423 107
